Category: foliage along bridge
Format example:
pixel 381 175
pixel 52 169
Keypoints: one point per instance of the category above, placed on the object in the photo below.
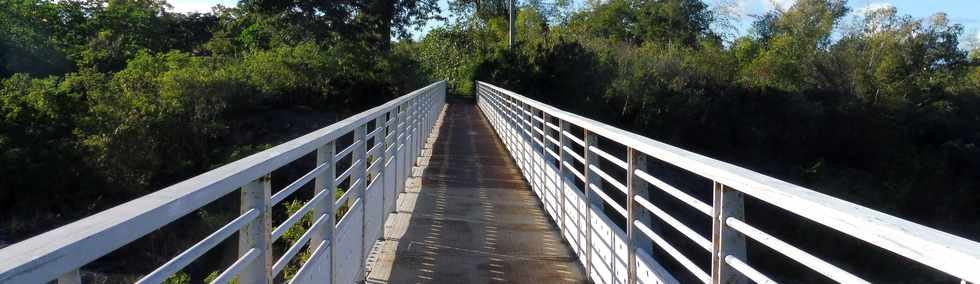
pixel 507 190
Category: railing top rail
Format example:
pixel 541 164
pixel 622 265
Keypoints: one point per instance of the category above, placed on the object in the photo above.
pixel 951 254
pixel 80 242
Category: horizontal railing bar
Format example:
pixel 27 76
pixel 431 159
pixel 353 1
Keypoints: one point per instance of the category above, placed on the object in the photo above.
pixel 391 149
pixel 536 117
pixel 538 130
pixel 375 168
pixel 680 227
pixel 183 259
pixel 343 153
pixel 747 270
pixel 597 191
pixel 373 132
pixel 673 252
pixel 281 229
pixel 371 183
pixel 676 193
pixel 552 140
pixel 615 183
pixel 552 126
pixel 292 187
pixel 538 142
pixel 347 172
pixel 574 155
pixel 296 246
pixel 808 260
pixel 552 153
pixel 233 270
pixel 375 148
pixel 948 253
pixel 524 110
pixel 609 157
pixel 573 138
pixel 343 197
pixel 320 249
pixel 574 171
pixel 71 246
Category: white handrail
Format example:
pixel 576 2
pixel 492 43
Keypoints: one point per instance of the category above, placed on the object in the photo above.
pixel 65 249
pixel 951 254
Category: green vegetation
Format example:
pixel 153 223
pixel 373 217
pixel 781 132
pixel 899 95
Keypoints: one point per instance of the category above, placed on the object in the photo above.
pixel 102 101
pixel 878 109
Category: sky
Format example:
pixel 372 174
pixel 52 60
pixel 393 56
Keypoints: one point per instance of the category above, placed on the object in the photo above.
pixel 202 6
pixel 965 12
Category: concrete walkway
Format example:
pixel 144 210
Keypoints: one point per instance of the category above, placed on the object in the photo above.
pixel 470 218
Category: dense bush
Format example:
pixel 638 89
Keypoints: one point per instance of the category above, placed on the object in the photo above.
pixel 884 117
pixel 106 100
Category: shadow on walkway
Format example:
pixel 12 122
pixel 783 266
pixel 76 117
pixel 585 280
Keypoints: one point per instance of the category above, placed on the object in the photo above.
pixel 473 219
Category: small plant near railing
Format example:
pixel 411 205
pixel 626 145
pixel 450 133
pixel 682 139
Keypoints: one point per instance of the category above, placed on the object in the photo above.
pixel 370 176
pixel 293 234
pixel 179 278
pixel 214 275
pixel 342 210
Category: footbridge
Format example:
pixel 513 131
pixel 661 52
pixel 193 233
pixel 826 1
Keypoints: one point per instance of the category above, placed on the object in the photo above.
pixel 503 190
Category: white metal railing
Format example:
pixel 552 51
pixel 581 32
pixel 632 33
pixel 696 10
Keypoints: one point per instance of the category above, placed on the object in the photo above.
pixel 395 131
pixel 533 132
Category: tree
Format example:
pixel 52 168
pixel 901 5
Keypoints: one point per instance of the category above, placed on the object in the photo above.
pixel 682 22
pixel 793 44
pixel 480 10
pixel 29 39
pixel 371 20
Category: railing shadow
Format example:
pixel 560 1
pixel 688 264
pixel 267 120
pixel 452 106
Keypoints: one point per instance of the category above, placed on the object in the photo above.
pixel 475 219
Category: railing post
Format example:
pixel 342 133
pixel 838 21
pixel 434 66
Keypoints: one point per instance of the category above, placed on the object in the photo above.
pixel 409 136
pixel 636 187
pixel 400 146
pixel 725 241
pixel 562 171
pixel 381 142
pixel 325 181
pixel 418 131
pixel 538 165
pixel 360 191
pixel 258 233
pixel 528 142
pixel 70 277
pixel 391 126
pixel 591 159
pixel 514 130
pixel 401 172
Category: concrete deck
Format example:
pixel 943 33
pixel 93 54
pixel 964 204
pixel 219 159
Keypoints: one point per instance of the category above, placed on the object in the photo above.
pixel 471 217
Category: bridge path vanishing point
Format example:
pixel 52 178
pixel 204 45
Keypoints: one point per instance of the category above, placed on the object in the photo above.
pixel 433 195
pixel 473 218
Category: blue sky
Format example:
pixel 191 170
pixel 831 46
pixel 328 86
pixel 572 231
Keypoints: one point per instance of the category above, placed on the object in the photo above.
pixel 965 12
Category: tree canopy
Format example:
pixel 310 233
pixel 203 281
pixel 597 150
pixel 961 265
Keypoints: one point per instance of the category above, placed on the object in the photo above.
pixel 102 101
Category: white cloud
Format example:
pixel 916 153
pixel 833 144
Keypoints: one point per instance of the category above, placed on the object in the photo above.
pixel 864 11
pixel 200 6
pixel 780 4
pixel 758 7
